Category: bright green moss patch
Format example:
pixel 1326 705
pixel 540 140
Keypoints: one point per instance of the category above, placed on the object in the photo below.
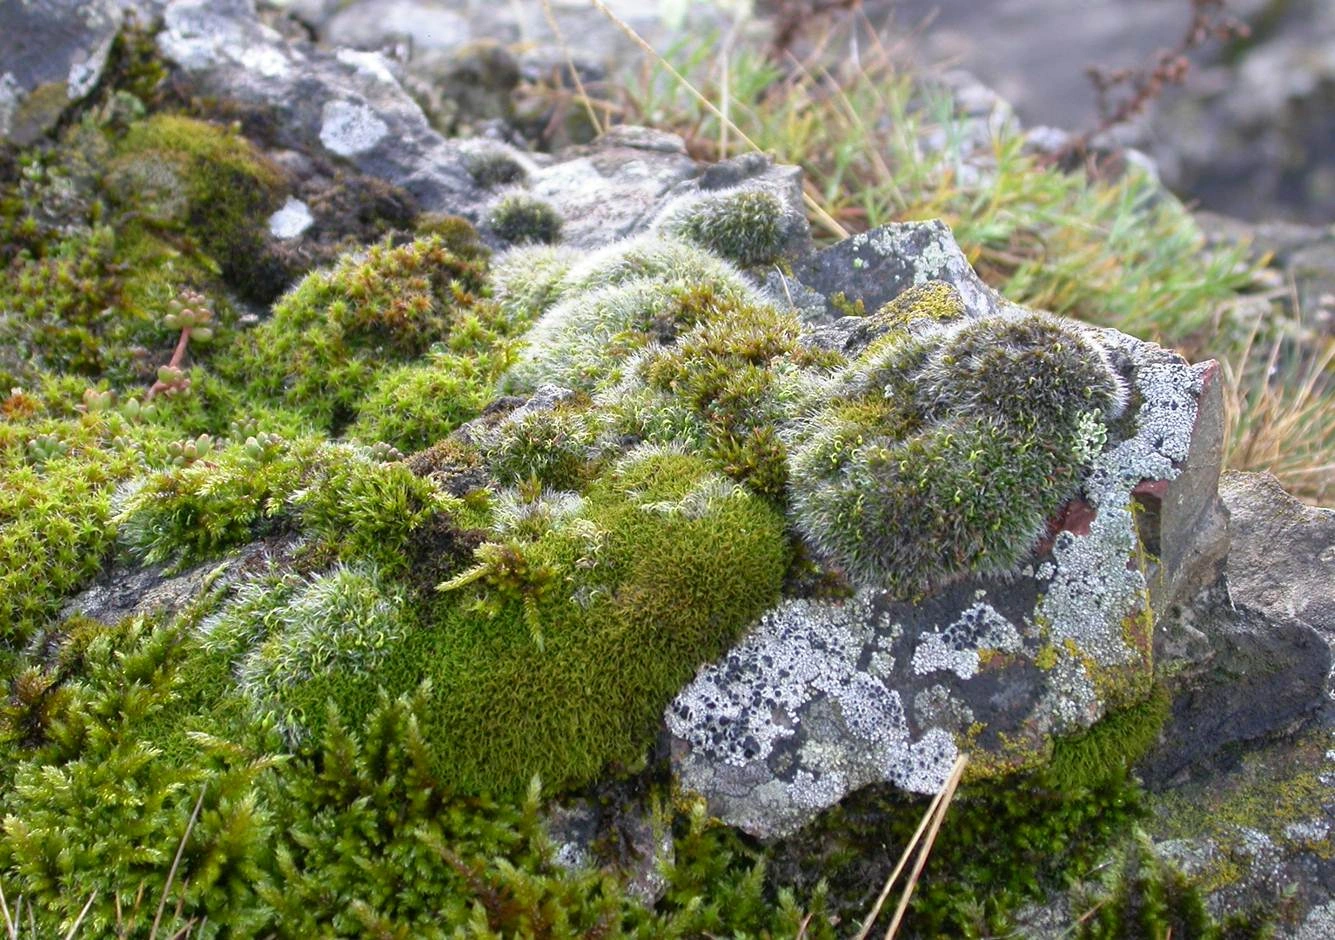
pixel 557 653
pixel 414 406
pixel 332 335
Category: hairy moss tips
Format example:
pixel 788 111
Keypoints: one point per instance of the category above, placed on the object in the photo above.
pixel 744 226
pixel 347 619
pixel 644 295
pixel 492 166
pixel 519 218
pixel 527 279
pixel 945 451
pixel 1036 371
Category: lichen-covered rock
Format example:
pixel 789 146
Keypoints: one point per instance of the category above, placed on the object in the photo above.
pixel 52 54
pixel 875 267
pixel 825 696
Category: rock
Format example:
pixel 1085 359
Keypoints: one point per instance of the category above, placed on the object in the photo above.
pixel 344 104
pixel 824 696
pixel 875 267
pixel 466 86
pixel 52 53
pixel 1283 556
pixel 1248 674
pixel 612 188
pixel 1245 802
pixel 157 591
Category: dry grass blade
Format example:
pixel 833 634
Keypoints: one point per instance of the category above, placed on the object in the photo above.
pixel 570 64
pixel 875 912
pixel 4 909
pixel 176 862
pixel 817 209
pixel 1280 414
pixel 947 794
pixel 74 927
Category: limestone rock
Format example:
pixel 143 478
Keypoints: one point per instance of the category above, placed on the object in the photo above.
pixel 52 53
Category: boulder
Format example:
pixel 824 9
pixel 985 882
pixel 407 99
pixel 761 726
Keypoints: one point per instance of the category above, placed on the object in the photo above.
pixel 826 696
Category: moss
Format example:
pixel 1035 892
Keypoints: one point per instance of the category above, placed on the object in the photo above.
pixel 413 406
pixel 363 509
pixel 1112 746
pixel 518 219
pixel 1003 844
pixel 555 656
pixel 585 341
pixel 56 507
pixel 492 167
pixel 746 227
pixel 191 178
pixel 332 334
pixel 923 304
pixel 1142 895
pixel 945 453
pixel 192 512
pixel 557 448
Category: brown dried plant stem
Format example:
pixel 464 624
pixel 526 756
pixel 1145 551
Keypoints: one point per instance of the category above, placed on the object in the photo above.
pixel 931 823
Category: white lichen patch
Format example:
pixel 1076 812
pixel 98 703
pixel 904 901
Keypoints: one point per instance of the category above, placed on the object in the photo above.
pixel 958 646
pixel 291 220
pixel 792 695
pixel 370 64
pixel 1094 583
pixel 349 129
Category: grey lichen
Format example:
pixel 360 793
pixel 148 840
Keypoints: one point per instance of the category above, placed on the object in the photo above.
pixel 788 722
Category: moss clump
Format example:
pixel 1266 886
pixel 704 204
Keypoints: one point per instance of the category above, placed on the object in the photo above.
pixel 190 513
pixel 491 167
pixel 1113 745
pixel 725 387
pixel 746 226
pixel 190 178
pixel 518 219
pixel 945 452
pixel 413 406
pixel 359 508
pixel 556 652
pixel 293 630
pixel 557 447
pixel 333 333
pixel 640 296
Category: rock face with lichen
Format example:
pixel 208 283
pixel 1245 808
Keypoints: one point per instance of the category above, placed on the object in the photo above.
pixel 483 492
pixel 891 684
